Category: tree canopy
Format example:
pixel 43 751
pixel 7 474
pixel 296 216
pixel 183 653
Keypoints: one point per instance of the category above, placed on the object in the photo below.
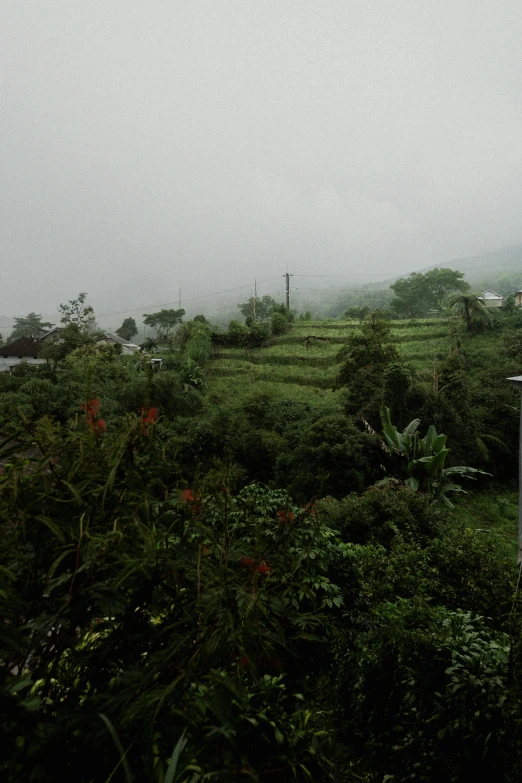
pixel 164 322
pixel 420 293
pixel 29 326
pixel 472 311
pixel 128 329
pixel 258 309
pixel 76 312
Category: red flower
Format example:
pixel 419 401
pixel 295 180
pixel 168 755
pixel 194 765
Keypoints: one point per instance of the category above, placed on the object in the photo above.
pixel 92 408
pixel 148 416
pixel 284 517
pixel 246 562
pixel 263 568
pixel 194 501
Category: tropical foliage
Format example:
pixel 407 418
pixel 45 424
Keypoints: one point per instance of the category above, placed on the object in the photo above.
pixel 245 564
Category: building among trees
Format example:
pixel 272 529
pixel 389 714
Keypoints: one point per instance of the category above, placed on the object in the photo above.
pixel 490 298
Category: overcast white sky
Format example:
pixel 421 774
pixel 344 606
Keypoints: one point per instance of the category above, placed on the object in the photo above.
pixel 234 137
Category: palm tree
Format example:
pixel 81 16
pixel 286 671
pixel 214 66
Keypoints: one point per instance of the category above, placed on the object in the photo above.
pixel 472 311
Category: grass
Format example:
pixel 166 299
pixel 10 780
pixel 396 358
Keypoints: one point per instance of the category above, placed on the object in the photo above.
pixel 235 390
pixel 494 514
pixel 293 368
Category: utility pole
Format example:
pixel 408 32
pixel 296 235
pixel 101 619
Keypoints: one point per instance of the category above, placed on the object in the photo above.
pixel 288 291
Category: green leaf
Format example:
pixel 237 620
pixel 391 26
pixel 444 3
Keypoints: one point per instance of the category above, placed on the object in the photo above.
pixel 173 764
pixel 438 444
pixel 391 434
pixel 412 427
pixel 116 740
pixel 19 686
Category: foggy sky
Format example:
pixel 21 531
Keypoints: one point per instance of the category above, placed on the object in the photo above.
pixel 227 139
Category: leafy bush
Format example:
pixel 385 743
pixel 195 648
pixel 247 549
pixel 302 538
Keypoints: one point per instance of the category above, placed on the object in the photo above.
pixel 381 514
pixel 422 692
pixel 331 457
pixel 136 613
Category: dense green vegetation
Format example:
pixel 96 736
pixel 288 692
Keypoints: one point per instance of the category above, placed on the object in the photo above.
pixel 258 562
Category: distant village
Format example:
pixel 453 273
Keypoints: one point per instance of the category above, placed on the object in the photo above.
pixel 27 349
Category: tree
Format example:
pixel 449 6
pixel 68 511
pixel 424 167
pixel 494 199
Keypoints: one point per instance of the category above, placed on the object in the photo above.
pixel 419 462
pixel 128 329
pixel 419 293
pixel 364 360
pixel 78 314
pixel 258 309
pixel 163 322
pixel 358 313
pixel 472 311
pixel 279 323
pixel 30 326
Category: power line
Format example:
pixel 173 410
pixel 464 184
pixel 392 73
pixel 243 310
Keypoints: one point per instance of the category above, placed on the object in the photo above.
pixel 165 304
pixel 341 290
pixel 184 301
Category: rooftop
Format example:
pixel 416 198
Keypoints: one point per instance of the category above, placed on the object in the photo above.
pixel 25 346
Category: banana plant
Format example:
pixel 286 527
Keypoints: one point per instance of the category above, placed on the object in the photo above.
pixel 419 462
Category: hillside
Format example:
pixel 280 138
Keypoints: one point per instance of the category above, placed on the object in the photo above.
pixel 305 370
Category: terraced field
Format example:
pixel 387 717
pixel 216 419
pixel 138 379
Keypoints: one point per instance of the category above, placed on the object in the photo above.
pixel 302 365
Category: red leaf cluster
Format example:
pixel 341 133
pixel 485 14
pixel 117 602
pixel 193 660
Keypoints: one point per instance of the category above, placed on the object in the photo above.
pixel 260 568
pixel 92 409
pixel 191 499
pixel 285 517
pixel 149 416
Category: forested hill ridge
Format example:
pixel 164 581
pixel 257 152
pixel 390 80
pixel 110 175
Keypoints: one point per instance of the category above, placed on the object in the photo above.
pixel 500 270
pixel 289 553
pixel 497 269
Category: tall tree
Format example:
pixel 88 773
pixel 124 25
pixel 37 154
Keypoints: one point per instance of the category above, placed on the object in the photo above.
pixel 474 314
pixel 29 326
pixel 419 293
pixel 128 329
pixel 77 313
pixel 259 309
pixel 164 322
pixel 365 359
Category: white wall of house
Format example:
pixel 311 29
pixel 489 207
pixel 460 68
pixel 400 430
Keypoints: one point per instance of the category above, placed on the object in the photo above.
pixel 7 362
pixel 491 302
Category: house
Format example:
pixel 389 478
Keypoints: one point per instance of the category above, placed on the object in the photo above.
pixel 518 298
pixel 26 349
pixel 53 335
pixel 127 348
pixel 491 299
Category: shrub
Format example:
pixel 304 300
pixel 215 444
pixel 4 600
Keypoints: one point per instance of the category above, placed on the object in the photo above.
pixel 422 692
